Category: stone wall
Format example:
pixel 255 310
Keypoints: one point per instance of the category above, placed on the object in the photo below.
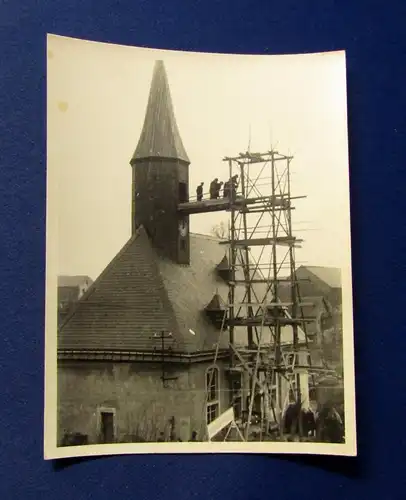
pixel 134 391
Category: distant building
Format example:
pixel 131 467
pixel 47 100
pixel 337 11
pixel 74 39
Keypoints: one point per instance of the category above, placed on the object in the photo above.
pixel 321 281
pixel 70 290
pixel 321 295
pixel 321 287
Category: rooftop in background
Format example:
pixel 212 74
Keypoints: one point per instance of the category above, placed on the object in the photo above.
pixel 73 281
pixel 331 276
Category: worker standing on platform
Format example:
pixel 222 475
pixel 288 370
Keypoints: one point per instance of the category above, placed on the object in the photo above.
pixel 234 186
pixel 199 191
pixel 226 189
pixel 235 183
pixel 218 188
pixel 213 188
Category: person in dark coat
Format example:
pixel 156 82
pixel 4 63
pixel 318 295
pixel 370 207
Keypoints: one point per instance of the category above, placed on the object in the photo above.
pixel 309 423
pixel 199 191
pixel 234 185
pixel 226 189
pixel 213 188
pixel 330 425
pixel 291 419
pixel 293 413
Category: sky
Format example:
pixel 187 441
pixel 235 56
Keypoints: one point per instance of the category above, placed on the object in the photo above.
pixel 97 97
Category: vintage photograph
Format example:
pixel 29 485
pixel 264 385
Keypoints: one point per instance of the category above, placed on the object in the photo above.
pixel 199 291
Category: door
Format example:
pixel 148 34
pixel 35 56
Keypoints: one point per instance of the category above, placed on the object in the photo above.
pixel 107 427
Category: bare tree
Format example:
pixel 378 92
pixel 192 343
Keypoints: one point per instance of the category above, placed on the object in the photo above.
pixel 220 230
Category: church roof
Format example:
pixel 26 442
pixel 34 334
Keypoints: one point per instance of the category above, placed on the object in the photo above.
pixel 160 137
pixel 125 306
pixel 140 294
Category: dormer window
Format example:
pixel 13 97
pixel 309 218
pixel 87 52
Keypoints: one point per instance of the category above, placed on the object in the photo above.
pixel 223 269
pixel 216 311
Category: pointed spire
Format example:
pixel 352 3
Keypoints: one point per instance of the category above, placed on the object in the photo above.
pixel 160 136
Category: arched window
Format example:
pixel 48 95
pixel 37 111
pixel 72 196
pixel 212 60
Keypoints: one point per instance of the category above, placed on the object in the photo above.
pixel 212 393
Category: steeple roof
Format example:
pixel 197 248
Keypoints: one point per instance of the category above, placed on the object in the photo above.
pixel 160 136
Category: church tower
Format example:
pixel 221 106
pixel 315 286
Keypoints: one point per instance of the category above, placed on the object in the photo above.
pixel 160 175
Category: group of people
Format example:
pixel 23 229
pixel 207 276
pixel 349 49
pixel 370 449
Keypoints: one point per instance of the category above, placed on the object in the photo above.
pixel 325 424
pixel 229 188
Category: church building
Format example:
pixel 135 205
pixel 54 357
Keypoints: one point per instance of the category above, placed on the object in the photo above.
pixel 136 353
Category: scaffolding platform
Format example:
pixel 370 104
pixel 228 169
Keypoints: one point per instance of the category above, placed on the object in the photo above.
pixel 204 206
pixel 251 242
pixel 267 281
pixel 259 321
pixel 240 203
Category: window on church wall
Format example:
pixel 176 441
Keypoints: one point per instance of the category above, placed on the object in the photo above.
pixel 212 394
pixel 235 393
pixel 212 384
pixel 212 413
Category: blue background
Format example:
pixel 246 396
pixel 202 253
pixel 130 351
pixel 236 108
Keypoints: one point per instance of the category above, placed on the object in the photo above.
pixel 373 33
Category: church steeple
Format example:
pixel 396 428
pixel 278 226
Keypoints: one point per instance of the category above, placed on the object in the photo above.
pixel 160 136
pixel 161 174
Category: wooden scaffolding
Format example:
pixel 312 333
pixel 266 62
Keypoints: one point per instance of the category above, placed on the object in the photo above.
pixel 270 362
